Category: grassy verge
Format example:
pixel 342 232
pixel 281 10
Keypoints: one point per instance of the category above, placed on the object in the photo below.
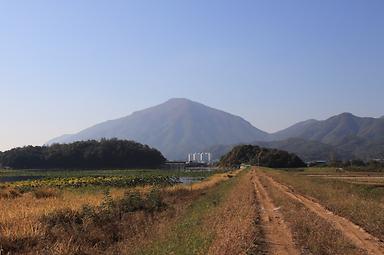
pixel 362 204
pixel 237 223
pixel 190 234
pixel 312 234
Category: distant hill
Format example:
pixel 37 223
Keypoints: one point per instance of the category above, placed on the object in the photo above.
pixel 255 155
pixel 306 150
pixel 176 127
pixel 335 130
pixel 351 136
pixel 104 154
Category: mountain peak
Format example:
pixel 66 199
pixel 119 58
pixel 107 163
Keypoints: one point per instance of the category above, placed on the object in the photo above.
pixel 181 102
pixel 346 114
pixel 176 127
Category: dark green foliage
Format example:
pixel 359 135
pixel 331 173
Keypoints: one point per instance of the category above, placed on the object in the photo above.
pixel 255 155
pixel 84 155
pixel 358 165
pixel 132 201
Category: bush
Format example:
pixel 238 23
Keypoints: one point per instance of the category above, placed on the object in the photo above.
pixel 45 193
pixel 9 193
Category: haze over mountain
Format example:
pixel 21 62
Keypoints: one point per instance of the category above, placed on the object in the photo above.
pixel 336 129
pixel 176 127
pixel 356 137
pixel 343 137
pixel 180 126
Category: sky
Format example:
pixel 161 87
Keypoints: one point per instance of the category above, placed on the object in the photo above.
pixel 67 65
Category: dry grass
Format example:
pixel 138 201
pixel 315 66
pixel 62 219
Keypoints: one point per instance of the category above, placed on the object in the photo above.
pixel 362 204
pixel 42 193
pixel 19 217
pixel 21 227
pixel 236 231
pixel 194 229
pixel 312 234
pixel 9 193
pixel 206 183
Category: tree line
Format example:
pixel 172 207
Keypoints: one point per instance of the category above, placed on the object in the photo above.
pixel 92 154
pixel 255 155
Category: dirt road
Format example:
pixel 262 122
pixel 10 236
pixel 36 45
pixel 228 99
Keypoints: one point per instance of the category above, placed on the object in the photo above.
pixel 278 235
pixel 358 236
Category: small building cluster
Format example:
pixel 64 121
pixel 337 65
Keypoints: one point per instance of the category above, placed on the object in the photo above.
pixel 200 157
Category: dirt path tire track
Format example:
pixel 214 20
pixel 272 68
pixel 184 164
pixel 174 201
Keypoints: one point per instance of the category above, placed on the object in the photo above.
pixel 278 235
pixel 357 235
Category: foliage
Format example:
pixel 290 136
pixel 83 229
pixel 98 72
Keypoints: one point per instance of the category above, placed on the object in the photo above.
pixel 359 165
pixel 255 155
pixel 84 155
pixel 107 181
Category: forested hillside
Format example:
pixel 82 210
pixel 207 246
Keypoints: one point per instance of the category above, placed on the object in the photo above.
pixel 255 155
pixel 80 155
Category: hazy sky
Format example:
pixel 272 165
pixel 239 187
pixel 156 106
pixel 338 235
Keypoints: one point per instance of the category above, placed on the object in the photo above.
pixel 66 65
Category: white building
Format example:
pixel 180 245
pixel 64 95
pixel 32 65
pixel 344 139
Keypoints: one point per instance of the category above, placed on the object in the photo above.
pixel 200 157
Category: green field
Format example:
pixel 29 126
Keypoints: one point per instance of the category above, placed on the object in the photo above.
pixel 26 179
pixel 118 172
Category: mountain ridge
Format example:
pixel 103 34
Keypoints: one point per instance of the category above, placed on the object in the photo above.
pixel 180 126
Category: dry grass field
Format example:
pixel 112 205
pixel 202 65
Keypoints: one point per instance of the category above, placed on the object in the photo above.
pixel 250 211
pixel 24 228
pixel 355 196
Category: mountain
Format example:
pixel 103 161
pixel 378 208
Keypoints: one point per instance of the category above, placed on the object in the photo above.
pixel 354 136
pixel 306 149
pixel 293 131
pixel 342 137
pixel 180 126
pixel 176 127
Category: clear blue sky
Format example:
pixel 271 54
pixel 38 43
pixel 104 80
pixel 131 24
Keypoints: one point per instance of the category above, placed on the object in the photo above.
pixel 66 65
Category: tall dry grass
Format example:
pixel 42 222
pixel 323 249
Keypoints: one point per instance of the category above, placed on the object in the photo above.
pixel 21 227
pixel 19 216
